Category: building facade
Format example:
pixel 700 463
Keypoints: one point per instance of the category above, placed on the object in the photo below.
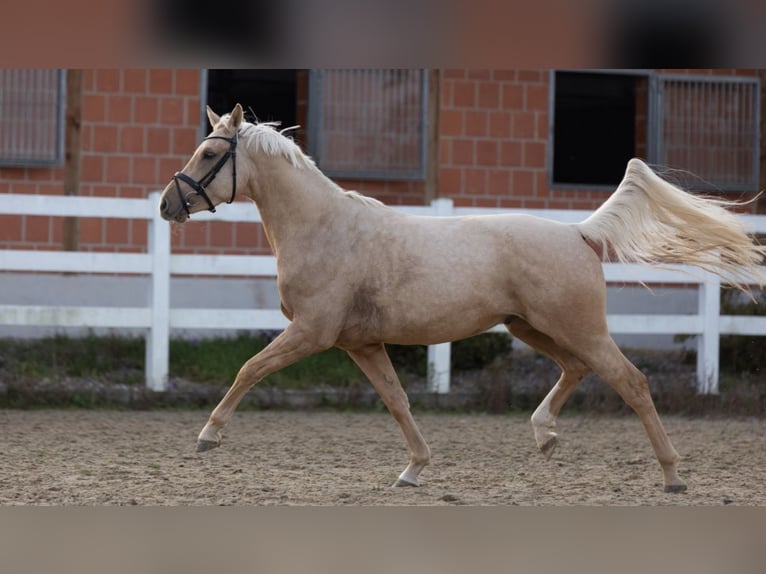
pixel 485 138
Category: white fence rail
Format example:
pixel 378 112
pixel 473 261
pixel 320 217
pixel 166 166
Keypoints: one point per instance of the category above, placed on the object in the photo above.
pixel 159 264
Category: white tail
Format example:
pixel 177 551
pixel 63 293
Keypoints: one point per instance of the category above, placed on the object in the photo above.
pixel 648 220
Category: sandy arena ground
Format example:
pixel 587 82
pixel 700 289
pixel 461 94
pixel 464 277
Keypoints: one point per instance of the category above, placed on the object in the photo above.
pixel 72 457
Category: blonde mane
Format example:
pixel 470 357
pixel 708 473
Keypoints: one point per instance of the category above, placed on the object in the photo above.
pixel 265 137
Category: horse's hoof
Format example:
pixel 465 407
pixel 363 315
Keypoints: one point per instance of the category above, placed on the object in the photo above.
pixel 203 445
pixel 403 482
pixel 675 488
pixel 549 446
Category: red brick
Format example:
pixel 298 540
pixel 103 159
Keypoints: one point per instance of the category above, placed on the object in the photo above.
pixel 512 97
pixel 245 235
pixel 475 181
pixel 499 124
pixel 524 125
pixel 103 191
pixel 451 122
pixel 541 131
pixel 510 153
pixel 41 174
pixel 533 204
pixel 536 97
pixel 161 81
pixel 445 149
pixel 120 109
pixel 504 75
pixel 105 138
pixel 523 182
pixel 108 80
pixel 118 169
pixel 144 170
pixel 88 80
pixel 445 94
pixel 530 76
pixel 464 94
pixel 475 123
pixel 56 188
pixel 184 141
pixel 131 139
pixel 483 202
pixel 146 110
pixel 91 231
pixel 462 152
pixel 171 111
pixel 24 187
pixel 489 95
pixel 541 185
pixel 221 234
pixel 193 117
pixel 86 138
pixel 135 81
pixel 37 229
pixel 92 167
pixel 167 167
pixel 486 152
pixel 158 140
pixel 131 191
pixel 139 229
pixel 10 228
pixel 534 154
pixel 499 182
pixel 187 83
pixel 117 231
pixel 479 74
pixel 93 108
pixel 450 181
pixel 57 230
pixel 454 73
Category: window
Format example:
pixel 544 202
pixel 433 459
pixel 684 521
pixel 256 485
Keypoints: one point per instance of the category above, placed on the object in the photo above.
pixel 31 117
pixel 594 127
pixel 268 94
pixel 369 124
pixel 706 127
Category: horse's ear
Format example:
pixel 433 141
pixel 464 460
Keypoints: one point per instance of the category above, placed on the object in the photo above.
pixel 235 119
pixel 212 116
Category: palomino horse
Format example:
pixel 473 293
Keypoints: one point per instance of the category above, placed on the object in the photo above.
pixel 355 274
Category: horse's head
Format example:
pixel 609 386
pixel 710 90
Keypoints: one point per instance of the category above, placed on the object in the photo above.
pixel 210 176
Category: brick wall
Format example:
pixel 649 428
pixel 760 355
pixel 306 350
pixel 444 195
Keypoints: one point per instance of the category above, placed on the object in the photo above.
pixel 140 126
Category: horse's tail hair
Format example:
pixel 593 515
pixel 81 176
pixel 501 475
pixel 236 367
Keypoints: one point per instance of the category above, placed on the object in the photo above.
pixel 649 220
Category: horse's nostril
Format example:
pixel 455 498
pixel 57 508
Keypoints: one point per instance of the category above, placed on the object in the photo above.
pixel 164 205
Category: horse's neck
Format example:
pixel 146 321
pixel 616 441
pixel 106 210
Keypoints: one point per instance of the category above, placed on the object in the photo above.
pixel 293 203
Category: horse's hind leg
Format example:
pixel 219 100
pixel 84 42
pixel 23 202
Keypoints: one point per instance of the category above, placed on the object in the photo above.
pixel 572 372
pixel 374 362
pixel 611 365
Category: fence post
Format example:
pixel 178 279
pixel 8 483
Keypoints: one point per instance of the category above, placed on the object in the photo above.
pixel 438 372
pixel 158 337
pixel 708 343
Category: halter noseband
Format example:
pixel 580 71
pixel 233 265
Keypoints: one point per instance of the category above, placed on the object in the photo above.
pixel 199 186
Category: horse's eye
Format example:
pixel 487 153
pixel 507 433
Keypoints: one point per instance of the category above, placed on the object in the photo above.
pixel 208 154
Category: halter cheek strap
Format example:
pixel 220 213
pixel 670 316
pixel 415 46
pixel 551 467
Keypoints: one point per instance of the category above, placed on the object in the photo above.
pixel 199 186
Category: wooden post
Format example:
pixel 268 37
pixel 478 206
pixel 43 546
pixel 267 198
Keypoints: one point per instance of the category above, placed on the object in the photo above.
pixel 72 153
pixel 432 137
pixel 760 206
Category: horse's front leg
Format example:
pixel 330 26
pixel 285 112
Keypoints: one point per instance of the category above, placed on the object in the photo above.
pixel 290 346
pixel 374 362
